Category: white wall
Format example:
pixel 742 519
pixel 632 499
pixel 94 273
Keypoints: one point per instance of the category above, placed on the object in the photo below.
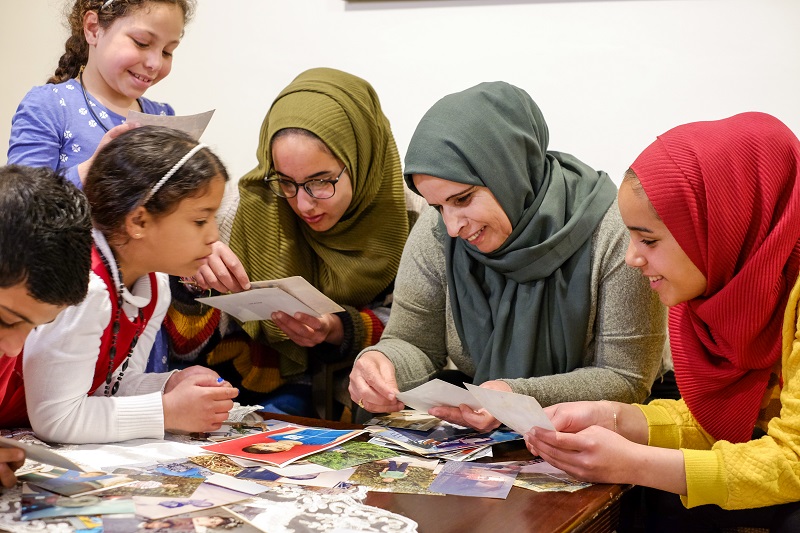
pixel 608 75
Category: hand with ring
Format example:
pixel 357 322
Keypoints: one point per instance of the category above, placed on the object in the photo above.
pixel 372 381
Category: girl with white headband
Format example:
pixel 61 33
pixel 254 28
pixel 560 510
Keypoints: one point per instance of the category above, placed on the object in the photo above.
pixel 153 193
pixel 117 49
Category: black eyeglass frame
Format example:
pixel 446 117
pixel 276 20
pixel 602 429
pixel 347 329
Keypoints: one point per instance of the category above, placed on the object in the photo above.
pixel 305 185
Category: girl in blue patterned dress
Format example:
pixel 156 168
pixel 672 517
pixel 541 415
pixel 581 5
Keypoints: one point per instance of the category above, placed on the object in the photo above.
pixel 116 51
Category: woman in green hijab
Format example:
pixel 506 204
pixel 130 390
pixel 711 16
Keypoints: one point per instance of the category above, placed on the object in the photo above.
pixel 519 279
pixel 325 202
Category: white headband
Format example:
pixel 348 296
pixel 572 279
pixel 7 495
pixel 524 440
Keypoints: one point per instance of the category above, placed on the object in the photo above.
pixel 108 3
pixel 173 170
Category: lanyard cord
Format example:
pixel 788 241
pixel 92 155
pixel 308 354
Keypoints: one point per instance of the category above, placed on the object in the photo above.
pixel 91 106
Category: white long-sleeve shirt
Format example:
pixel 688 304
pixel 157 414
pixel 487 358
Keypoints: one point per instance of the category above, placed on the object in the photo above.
pixel 59 362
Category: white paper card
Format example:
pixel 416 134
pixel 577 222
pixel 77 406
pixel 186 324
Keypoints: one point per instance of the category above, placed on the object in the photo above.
pixel 297 469
pixel 517 411
pixel 40 454
pixel 233 483
pixel 194 125
pixel 435 393
pixel 289 295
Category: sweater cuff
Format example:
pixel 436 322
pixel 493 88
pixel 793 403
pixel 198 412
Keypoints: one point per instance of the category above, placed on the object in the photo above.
pixel 141 417
pixel 705 478
pixel 349 324
pixel 661 428
pixel 331 353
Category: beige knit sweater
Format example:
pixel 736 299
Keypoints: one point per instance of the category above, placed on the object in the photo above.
pixel 624 344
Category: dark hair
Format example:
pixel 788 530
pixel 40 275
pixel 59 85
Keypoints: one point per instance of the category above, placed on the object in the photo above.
pixel 77 49
pixel 45 235
pixel 636 186
pixel 124 171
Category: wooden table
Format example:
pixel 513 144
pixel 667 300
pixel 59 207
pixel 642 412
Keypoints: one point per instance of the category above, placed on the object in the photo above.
pixel 594 509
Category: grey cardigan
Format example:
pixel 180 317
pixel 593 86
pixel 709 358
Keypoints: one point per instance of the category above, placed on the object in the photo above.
pixel 623 346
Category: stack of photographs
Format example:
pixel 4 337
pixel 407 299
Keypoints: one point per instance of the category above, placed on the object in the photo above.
pixel 428 436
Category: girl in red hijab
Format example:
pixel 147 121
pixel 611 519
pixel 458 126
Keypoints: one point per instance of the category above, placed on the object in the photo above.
pixel 713 209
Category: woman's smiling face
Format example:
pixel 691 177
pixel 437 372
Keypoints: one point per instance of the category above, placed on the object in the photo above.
pixel 655 252
pixel 470 212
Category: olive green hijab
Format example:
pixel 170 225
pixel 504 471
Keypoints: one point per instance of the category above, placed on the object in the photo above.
pixel 522 310
pixel 355 260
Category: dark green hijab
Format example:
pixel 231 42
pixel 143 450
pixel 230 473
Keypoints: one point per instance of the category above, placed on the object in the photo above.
pixel 522 310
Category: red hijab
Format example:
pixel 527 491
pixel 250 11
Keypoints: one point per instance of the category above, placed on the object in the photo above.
pixel 729 192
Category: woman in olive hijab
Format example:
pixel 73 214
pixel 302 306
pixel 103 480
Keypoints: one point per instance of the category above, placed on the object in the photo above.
pixel 520 278
pixel 326 203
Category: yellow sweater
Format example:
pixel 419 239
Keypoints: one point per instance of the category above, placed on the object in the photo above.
pixel 751 474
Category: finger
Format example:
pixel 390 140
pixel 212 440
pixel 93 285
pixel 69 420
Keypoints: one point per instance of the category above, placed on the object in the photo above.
pixel 116 131
pixel 7 477
pixel 558 449
pixel 199 371
pixel 225 281
pixel 206 277
pixel 370 398
pixel 201 278
pixel 530 445
pixel 382 382
pixel 382 406
pixel 497 385
pixel 298 332
pixel 311 321
pixel 481 420
pixel 234 266
pixel 289 324
pixel 449 414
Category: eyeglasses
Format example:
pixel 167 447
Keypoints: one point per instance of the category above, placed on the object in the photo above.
pixel 321 189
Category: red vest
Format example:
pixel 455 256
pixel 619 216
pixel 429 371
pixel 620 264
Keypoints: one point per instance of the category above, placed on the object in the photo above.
pixel 127 328
pixel 13 413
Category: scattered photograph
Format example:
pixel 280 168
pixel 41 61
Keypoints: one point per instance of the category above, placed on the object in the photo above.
pixel 205 497
pixel 210 521
pixel 484 480
pixel 157 485
pixel 407 419
pixel 38 504
pixel 325 478
pixel 73 482
pixel 540 476
pixel 350 454
pixel 283 446
pixel 428 443
pixel 402 474
pixel 218 463
pixel 181 468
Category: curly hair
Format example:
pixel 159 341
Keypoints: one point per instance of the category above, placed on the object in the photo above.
pixel 77 49
pixel 45 235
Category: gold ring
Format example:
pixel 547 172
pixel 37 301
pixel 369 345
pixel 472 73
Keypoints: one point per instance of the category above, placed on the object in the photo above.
pixel 361 403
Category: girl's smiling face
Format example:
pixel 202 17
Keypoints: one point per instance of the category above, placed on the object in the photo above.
pixel 655 252
pixel 470 212
pixel 133 53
